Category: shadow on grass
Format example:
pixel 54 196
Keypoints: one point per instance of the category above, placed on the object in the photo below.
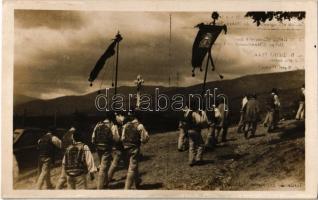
pixel 258 135
pixel 205 162
pixel 144 157
pixel 297 131
pixel 150 186
pixel 117 185
pixel 233 156
pixel 231 139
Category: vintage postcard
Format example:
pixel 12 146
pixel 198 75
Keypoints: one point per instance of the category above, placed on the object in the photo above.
pixel 159 99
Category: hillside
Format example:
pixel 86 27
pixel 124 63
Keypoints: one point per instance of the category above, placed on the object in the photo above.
pixel 19 99
pixel 274 161
pixel 234 89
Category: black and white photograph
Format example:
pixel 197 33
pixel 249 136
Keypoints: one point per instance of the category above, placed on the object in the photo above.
pixel 117 100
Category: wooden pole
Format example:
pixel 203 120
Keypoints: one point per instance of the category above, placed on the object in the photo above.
pixel 170 50
pixel 116 71
pixel 206 73
pixel 139 81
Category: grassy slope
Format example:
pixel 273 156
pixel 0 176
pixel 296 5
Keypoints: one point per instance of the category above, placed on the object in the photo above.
pixel 269 161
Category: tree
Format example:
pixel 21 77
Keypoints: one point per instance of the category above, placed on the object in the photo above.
pixel 262 17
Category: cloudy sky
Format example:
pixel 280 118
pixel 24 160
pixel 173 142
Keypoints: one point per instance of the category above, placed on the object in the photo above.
pixel 56 50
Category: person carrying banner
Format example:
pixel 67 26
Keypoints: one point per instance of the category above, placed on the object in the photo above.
pixel 119 151
pixel 221 122
pixel 196 120
pixel 104 136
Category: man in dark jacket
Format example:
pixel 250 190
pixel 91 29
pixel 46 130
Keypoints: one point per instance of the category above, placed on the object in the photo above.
pixel 46 145
pixel 251 115
pixel 104 137
pixel 221 122
pixel 67 140
pixel 134 134
pixel 77 163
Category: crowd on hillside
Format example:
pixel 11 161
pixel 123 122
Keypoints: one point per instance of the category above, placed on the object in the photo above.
pixel 118 138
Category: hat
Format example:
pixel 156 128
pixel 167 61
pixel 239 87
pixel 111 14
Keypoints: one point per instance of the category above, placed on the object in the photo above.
pixel 193 104
pixel 106 120
pixel 130 116
pixel 51 129
pixel 77 136
pixel 274 90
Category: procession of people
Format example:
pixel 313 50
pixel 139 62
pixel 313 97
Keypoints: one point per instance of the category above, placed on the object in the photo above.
pixel 119 136
pixel 116 138
pixel 195 120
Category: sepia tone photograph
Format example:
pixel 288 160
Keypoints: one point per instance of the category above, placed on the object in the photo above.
pixel 159 100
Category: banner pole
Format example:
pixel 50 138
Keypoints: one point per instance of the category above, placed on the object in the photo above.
pixel 116 72
pixel 205 73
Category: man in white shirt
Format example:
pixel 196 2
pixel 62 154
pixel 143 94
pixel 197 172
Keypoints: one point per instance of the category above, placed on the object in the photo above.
pixel 183 139
pixel 241 124
pixel 274 111
pixel 301 109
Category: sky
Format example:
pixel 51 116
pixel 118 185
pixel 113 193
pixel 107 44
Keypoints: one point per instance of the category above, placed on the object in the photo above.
pixel 54 51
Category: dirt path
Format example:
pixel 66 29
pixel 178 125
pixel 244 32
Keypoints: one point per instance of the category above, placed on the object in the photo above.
pixel 269 161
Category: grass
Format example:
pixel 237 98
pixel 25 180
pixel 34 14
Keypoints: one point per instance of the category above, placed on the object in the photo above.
pixel 270 161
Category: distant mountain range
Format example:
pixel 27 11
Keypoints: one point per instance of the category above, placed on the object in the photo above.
pixel 287 82
pixel 21 99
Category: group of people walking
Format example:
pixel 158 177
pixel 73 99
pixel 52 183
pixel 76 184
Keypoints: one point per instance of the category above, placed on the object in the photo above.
pixel 116 138
pixel 194 120
pixel 250 113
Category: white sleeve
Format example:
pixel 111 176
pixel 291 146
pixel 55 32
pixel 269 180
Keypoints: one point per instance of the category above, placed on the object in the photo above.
pixel 122 134
pixel 57 142
pixel 186 113
pixel 89 160
pixel 63 161
pixel 144 137
pixel 276 100
pixel 93 134
pixel 115 133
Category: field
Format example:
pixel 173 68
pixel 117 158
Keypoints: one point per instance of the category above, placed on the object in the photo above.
pixel 269 161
